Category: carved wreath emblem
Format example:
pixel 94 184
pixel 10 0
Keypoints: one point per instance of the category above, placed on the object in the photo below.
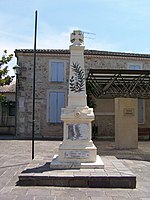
pixel 77 81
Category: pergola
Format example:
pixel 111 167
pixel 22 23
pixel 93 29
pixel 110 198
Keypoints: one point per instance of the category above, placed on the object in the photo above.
pixel 112 83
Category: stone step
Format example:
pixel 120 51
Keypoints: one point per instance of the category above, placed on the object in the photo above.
pixel 114 175
pixel 96 181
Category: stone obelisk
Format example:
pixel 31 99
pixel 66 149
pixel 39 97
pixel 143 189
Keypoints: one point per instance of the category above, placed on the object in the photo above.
pixel 77 149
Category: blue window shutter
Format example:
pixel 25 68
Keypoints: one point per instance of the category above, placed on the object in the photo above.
pixel 134 67
pixel 60 72
pixel 140 101
pixel 57 71
pixel 54 71
pixel 53 107
pixel 57 101
pixel 61 101
pixel 140 111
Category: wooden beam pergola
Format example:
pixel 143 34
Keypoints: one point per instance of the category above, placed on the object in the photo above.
pixel 106 83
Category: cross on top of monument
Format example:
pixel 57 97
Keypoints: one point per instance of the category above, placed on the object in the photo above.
pixel 77 37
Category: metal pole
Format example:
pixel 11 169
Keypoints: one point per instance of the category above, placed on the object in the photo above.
pixel 16 108
pixel 34 66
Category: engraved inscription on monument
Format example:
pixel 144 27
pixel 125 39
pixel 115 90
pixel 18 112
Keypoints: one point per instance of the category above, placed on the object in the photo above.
pixel 77 154
pixel 78 131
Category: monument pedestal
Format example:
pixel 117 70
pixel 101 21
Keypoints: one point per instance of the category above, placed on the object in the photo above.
pixel 77 149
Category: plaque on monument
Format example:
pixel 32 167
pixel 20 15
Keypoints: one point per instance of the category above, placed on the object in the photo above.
pixel 78 131
pixel 128 111
pixel 76 154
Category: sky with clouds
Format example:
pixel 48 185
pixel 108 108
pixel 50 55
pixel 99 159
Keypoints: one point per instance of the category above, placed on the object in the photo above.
pixel 118 25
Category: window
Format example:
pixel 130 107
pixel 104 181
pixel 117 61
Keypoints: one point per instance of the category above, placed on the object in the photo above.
pixel 9 108
pixel 57 72
pixel 140 101
pixel 140 111
pixel 135 67
pixel 12 108
pixel 56 100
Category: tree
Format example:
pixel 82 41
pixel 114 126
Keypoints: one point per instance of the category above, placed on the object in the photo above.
pixel 5 79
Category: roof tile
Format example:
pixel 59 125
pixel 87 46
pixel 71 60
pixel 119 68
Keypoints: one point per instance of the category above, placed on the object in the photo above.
pixel 86 52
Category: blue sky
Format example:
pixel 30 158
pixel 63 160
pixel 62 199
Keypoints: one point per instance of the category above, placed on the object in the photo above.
pixel 118 25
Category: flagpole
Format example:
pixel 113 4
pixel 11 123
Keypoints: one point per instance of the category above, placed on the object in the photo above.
pixel 33 90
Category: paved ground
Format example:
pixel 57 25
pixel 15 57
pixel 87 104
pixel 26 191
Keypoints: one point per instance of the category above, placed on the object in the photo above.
pixel 16 154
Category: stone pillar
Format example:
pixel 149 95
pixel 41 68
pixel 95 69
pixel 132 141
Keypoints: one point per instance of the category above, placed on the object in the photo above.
pixel 77 149
pixel 126 123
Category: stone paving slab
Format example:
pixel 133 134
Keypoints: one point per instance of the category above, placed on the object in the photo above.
pixel 114 175
pixel 16 154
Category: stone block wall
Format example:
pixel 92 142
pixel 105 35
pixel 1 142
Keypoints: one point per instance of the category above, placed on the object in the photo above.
pixel 42 88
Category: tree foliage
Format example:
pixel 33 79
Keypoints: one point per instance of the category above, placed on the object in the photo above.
pixel 5 79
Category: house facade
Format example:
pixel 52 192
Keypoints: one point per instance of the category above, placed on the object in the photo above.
pixel 51 90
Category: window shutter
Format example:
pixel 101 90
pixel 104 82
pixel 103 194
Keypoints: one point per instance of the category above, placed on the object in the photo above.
pixel 57 101
pixel 140 101
pixel 53 107
pixel 140 111
pixel 60 104
pixel 60 72
pixel 57 71
pixel 134 67
pixel 54 71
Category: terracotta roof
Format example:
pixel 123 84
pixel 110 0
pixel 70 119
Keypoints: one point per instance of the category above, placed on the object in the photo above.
pixel 86 52
pixel 8 88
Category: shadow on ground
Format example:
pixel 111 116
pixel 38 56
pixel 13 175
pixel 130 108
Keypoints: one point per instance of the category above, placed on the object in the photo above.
pixel 39 169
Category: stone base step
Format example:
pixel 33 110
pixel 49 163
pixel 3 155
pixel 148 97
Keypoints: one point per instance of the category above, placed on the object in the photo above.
pixel 79 181
pixel 114 175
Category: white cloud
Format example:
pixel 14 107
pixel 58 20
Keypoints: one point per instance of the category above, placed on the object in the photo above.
pixel 47 38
